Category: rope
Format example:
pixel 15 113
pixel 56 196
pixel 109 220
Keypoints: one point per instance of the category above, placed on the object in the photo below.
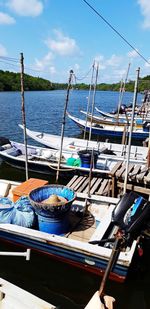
pixel 62 169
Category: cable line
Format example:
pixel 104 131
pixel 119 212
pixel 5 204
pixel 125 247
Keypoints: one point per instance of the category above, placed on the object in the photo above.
pixel 121 36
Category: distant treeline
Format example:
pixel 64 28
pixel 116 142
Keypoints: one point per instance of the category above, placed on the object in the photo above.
pixel 10 81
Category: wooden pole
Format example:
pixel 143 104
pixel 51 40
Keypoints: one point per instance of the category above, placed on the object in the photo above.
pixel 131 129
pixel 89 96
pixel 63 123
pixel 93 102
pixel 122 90
pixel 23 113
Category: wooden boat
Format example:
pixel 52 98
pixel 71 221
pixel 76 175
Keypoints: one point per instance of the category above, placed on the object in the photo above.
pixel 74 145
pixel 45 161
pixel 75 247
pixel 12 296
pixel 139 117
pixel 108 130
pixel 121 122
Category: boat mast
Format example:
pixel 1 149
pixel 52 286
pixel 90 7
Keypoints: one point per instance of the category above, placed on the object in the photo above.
pixel 63 123
pixel 23 113
pixel 131 129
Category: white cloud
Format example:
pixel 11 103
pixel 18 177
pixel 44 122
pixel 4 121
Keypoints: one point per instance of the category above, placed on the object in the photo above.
pixel 5 19
pixel 26 7
pixel 62 45
pixel 45 64
pixel 114 61
pixel 3 51
pixel 132 54
pixel 99 59
pixel 145 9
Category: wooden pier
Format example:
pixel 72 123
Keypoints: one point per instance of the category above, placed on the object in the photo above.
pixel 112 184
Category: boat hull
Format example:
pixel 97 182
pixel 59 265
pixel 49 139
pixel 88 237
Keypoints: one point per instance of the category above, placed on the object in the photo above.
pixel 80 260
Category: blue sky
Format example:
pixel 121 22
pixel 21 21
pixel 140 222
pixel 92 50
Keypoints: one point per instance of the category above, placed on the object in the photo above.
pixel 56 36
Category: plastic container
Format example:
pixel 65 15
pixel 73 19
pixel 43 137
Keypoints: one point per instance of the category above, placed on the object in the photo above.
pixel 57 225
pixel 85 157
pixel 52 218
pixel 25 187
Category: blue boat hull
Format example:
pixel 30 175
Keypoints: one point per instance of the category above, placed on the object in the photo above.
pixel 77 259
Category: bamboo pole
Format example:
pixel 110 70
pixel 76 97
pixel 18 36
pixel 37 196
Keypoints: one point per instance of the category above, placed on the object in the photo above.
pixel 63 123
pixel 93 101
pixel 89 96
pixel 122 89
pixel 23 113
pixel 131 129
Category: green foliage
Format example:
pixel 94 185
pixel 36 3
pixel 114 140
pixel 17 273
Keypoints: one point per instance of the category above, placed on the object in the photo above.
pixel 10 81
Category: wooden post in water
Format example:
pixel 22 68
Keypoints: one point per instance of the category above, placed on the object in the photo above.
pixel 93 101
pixel 131 129
pixel 89 96
pixel 23 113
pixel 63 123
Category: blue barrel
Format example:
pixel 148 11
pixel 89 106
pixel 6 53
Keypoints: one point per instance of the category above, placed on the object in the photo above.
pixel 52 218
pixel 57 225
pixel 85 157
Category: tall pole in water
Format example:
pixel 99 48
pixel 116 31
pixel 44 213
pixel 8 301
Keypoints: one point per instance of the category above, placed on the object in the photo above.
pixel 93 101
pixel 89 97
pixel 23 113
pixel 122 90
pixel 63 123
pixel 131 129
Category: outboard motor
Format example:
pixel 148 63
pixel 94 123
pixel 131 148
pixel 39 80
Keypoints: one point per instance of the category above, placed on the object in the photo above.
pixel 132 213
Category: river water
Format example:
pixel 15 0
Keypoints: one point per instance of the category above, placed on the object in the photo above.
pixel 61 284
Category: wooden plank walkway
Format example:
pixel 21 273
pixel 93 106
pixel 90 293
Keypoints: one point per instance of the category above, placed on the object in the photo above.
pixel 99 186
pixel 138 180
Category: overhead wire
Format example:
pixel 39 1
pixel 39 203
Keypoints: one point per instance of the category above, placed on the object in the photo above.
pixel 116 31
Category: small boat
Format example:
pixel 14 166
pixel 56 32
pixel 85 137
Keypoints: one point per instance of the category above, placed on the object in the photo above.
pixel 14 297
pixel 86 244
pixel 74 145
pixel 111 121
pixel 45 160
pixel 139 117
pixel 110 130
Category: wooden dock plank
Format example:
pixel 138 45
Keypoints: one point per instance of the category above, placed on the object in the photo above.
pixel 79 178
pixel 132 175
pixel 130 168
pixel 96 185
pixel 120 171
pixel 82 187
pixel 79 183
pixel 140 176
pixel 69 184
pixel 107 189
pixel 93 180
pixel 147 178
pixel 115 168
pixel 102 187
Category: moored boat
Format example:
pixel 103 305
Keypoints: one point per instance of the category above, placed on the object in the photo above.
pixel 76 144
pixel 14 297
pixel 121 122
pixel 86 243
pixel 45 161
pixel 111 130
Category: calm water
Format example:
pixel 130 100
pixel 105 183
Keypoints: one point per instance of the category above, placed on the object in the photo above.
pixel 53 281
